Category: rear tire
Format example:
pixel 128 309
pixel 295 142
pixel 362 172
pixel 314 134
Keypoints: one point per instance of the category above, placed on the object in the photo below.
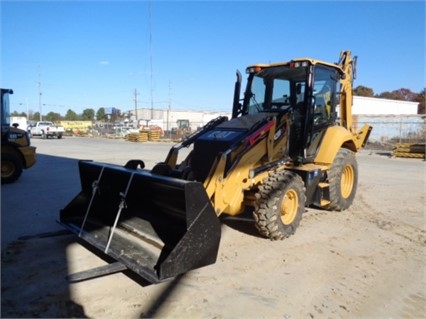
pixel 343 180
pixel 11 168
pixel 280 205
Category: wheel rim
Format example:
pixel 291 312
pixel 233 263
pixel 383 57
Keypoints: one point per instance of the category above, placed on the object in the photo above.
pixel 7 169
pixel 347 181
pixel 289 206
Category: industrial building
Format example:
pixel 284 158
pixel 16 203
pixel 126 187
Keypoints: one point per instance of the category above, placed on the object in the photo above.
pixel 392 120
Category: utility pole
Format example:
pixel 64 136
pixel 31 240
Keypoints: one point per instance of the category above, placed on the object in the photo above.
pixel 28 110
pixel 170 95
pixel 170 105
pixel 136 105
pixel 39 93
pixel 150 58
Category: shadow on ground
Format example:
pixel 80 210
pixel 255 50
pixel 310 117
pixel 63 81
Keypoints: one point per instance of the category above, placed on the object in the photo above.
pixel 33 270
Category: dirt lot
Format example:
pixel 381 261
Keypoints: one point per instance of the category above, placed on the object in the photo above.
pixel 365 262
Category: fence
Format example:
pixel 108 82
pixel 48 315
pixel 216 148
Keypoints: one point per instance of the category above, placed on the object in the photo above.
pixel 389 130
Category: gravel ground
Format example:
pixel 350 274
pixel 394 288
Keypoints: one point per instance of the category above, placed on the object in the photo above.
pixel 366 262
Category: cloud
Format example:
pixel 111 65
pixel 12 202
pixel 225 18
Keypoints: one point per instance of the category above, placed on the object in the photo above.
pixel 104 62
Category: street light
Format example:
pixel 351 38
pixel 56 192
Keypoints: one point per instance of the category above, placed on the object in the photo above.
pixel 39 101
pixel 28 111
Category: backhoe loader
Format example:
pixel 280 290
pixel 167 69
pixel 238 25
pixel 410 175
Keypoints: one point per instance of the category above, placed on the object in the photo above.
pixel 289 144
pixel 17 153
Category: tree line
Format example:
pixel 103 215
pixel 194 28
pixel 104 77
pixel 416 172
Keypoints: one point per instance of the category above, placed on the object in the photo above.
pixel 89 114
pixel 400 94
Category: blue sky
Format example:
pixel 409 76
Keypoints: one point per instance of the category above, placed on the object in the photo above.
pixel 95 54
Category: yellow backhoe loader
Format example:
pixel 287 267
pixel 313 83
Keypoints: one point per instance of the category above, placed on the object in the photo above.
pixel 290 144
pixel 17 153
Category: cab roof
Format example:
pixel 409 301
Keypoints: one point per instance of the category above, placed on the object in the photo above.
pixel 309 60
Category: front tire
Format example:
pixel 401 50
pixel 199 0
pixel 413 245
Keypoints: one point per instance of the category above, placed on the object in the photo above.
pixel 11 168
pixel 280 205
pixel 343 180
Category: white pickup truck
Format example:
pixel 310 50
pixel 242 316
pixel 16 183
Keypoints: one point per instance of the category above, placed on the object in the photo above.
pixel 46 129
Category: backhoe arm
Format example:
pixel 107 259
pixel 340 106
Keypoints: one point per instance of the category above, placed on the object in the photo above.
pixel 348 66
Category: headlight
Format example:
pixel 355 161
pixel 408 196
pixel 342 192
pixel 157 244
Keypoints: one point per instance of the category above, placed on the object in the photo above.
pixel 253 69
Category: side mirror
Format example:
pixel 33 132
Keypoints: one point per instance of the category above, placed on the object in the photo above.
pixel 354 61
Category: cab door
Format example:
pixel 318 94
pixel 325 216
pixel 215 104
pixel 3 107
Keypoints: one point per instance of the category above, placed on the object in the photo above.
pixel 323 107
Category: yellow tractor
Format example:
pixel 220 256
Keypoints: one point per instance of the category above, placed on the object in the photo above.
pixel 290 144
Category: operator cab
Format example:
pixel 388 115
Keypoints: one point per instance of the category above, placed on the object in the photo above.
pixel 304 88
pixel 5 112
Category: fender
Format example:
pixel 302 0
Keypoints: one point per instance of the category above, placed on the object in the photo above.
pixel 335 137
pixel 26 154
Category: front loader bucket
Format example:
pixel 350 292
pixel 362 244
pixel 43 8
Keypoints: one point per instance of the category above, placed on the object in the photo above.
pixel 157 226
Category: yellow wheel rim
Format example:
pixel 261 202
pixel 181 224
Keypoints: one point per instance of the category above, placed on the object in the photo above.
pixel 347 182
pixel 7 169
pixel 289 206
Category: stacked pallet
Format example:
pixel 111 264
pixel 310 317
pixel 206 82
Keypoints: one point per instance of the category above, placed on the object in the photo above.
pixel 154 135
pixel 143 136
pixel 138 137
pixel 409 150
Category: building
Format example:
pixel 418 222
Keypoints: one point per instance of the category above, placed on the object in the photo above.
pixel 168 119
pixel 374 106
pixel 392 120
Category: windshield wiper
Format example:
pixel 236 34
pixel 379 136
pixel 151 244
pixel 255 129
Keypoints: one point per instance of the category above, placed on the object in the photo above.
pixel 258 108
